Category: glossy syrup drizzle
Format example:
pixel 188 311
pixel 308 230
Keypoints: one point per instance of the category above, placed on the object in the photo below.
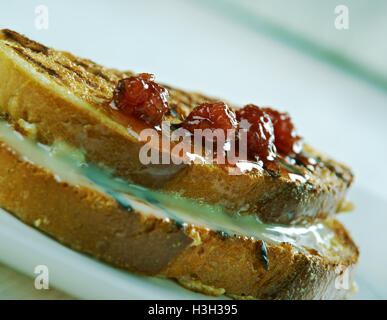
pixel 68 166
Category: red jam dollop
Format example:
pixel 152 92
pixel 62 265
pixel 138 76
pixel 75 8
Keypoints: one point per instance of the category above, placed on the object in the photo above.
pixel 212 116
pixel 141 97
pixel 260 132
pixel 268 130
pixel 286 138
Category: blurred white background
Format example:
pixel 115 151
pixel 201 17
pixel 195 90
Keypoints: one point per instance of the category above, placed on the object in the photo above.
pixel 281 53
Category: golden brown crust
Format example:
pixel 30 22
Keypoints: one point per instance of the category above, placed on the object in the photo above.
pixel 57 114
pixel 92 222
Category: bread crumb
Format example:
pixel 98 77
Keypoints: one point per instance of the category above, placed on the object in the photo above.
pixel 196 238
pixel 37 222
pixel 346 206
pixel 26 128
pixel 236 297
pixel 197 286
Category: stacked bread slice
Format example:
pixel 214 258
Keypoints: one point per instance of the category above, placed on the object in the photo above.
pixel 70 169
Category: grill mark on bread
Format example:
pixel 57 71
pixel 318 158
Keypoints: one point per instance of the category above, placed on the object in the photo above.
pixel 100 74
pixel 90 68
pixel 51 72
pixel 338 174
pixel 25 42
pixel 39 48
pixel 80 75
pixel 81 63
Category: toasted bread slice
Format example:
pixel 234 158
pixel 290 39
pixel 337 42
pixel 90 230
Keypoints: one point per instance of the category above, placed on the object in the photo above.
pixel 46 191
pixel 66 98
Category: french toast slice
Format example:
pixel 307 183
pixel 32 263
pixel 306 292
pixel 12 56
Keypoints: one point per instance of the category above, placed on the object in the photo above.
pixel 44 189
pixel 65 98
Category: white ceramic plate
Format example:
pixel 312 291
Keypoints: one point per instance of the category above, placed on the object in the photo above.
pixel 188 46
